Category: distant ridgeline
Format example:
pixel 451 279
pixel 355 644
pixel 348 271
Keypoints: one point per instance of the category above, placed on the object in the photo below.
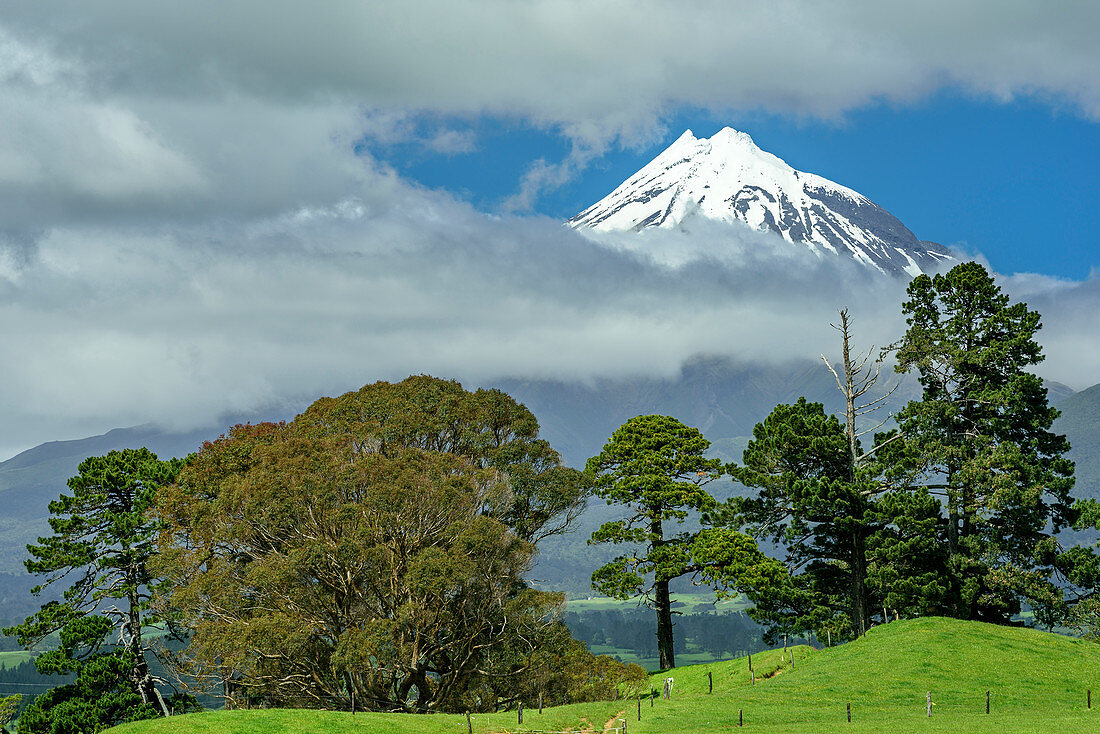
pixel 16 601
pixel 722 397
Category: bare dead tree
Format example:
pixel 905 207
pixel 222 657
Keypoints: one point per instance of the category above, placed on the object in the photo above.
pixel 861 374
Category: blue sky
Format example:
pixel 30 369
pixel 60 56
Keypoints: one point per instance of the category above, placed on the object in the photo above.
pixel 1017 181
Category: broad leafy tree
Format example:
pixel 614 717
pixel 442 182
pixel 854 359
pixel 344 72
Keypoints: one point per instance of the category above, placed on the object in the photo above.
pixel 487 427
pixel 101 544
pixel 980 438
pixel 376 547
pixel 655 467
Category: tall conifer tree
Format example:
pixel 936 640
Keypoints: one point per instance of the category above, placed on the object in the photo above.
pixel 101 543
pixel 655 466
pixel 980 437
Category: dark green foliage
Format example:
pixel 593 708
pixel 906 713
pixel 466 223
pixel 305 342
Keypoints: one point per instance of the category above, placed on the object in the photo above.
pixel 812 506
pixel 980 437
pixel 102 694
pixel 101 543
pixel 953 512
pixel 655 466
pixel 1080 568
pixel 906 560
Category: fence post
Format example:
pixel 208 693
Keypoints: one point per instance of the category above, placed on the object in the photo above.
pixel 639 707
pixel 520 712
pixel 710 682
pixel 624 725
pixel 469 725
pixel 849 712
pixel 987 702
pixel 740 717
pixel 929 705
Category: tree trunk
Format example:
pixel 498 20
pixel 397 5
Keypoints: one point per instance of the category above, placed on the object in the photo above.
pixel 854 385
pixel 861 615
pixel 142 678
pixel 849 398
pixel 423 690
pixel 663 606
pixel 952 521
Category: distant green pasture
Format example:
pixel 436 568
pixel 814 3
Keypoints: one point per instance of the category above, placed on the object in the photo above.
pixel 692 604
pixel 12 659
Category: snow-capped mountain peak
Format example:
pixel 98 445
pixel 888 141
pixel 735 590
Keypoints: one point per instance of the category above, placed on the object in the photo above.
pixel 729 178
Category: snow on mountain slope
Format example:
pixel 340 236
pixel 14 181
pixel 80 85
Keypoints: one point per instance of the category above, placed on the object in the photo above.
pixel 728 178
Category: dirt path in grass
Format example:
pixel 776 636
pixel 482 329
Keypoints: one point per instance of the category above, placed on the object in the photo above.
pixel 586 726
pixel 610 723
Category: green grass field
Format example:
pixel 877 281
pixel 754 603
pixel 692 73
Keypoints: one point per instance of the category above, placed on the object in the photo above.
pixel 11 659
pixel 692 604
pixel 1037 683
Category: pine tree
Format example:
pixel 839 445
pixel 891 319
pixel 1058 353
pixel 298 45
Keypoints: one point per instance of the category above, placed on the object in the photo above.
pixel 812 504
pixel 656 467
pixel 102 540
pixel 980 437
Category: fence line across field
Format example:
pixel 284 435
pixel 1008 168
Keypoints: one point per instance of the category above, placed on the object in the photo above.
pixel 569 731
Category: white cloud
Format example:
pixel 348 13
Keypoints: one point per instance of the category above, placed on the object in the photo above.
pixel 109 327
pixel 1068 335
pixel 120 327
pixel 572 62
pixel 452 142
pixel 188 230
pixel 205 92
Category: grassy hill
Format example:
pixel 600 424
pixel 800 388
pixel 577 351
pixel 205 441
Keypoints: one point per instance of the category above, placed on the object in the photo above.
pixel 1037 683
